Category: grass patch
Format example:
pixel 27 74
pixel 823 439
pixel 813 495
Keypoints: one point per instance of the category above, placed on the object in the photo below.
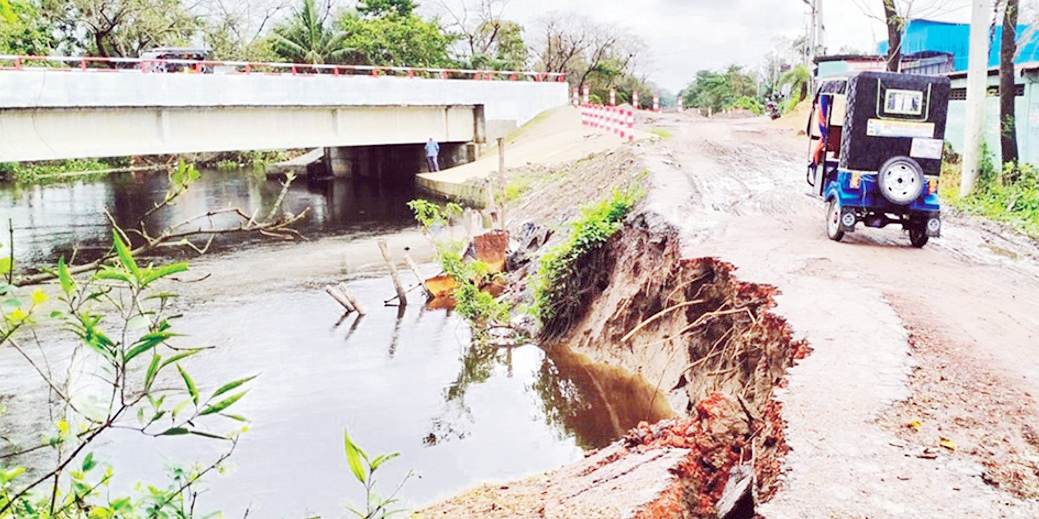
pixel 661 132
pixel 47 172
pixel 1010 196
pixel 558 280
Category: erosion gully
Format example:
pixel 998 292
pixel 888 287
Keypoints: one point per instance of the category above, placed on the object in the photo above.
pixel 404 380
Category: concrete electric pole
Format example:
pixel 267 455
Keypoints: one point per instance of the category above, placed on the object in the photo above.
pixel 977 91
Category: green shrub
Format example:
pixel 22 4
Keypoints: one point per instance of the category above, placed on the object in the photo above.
pixel 552 289
pixel 1010 195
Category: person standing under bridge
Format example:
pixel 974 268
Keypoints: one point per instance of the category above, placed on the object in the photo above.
pixel 432 155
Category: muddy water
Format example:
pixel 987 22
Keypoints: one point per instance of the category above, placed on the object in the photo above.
pixel 56 219
pixel 407 382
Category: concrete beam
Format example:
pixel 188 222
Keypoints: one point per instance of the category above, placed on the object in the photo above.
pixel 65 133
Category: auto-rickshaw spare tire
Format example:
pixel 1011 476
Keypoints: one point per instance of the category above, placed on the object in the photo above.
pixel 901 180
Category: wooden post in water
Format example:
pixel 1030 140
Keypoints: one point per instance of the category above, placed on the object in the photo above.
pixel 401 293
pixel 350 297
pixel 414 270
pixel 340 298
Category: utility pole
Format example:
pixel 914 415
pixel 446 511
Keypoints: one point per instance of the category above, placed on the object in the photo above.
pixel 820 29
pixel 977 90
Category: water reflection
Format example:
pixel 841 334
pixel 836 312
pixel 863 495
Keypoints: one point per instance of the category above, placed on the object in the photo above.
pixel 69 219
pixel 595 403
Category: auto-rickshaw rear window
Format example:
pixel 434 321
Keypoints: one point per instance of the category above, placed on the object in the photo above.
pixel 904 102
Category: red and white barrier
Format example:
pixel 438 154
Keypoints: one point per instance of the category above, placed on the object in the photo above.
pixel 587 95
pixel 576 98
pixel 613 97
pixel 681 108
pixel 635 99
pixel 631 126
pixel 621 121
pixel 656 103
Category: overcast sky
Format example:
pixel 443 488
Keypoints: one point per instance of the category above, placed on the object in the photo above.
pixel 685 36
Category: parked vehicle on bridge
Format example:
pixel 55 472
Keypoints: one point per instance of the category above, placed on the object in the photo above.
pixel 176 59
pixel 876 151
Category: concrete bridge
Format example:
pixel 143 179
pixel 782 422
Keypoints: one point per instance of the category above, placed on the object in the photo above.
pixel 123 109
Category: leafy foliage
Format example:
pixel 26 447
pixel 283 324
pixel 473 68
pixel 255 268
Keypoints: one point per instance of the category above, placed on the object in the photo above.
pixel 481 308
pixel 395 40
pixel 120 28
pixel 552 286
pixel 46 172
pixel 1010 195
pixel 119 319
pixel 23 30
pixel 380 8
pixel 308 37
pixel 363 468
pixel 721 90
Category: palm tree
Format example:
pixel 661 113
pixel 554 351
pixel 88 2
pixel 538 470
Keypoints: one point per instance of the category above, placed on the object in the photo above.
pixel 306 38
pixel 800 79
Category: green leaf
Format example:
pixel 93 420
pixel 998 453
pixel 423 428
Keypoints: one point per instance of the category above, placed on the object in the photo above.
pixel 383 459
pixel 149 341
pixel 179 356
pixel 113 274
pixel 153 369
pixel 88 462
pixel 175 431
pixel 223 404
pixel 163 271
pixel 5 265
pixel 353 457
pixel 7 476
pixel 125 257
pixel 208 435
pixel 231 385
pixel 189 384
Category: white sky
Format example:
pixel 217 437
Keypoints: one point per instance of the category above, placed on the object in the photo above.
pixel 685 36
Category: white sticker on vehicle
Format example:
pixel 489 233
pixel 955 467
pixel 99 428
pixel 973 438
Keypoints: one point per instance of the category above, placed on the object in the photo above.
pixel 889 128
pixel 927 149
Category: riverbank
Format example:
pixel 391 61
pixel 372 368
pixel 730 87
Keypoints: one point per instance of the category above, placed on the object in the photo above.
pixel 704 340
pixel 875 425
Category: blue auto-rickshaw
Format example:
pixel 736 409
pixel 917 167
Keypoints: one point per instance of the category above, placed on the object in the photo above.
pixel 877 140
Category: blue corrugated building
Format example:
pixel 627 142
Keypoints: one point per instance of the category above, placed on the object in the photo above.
pixel 954 38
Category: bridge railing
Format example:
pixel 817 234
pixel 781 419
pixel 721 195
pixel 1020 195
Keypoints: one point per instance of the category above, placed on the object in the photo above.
pixel 155 66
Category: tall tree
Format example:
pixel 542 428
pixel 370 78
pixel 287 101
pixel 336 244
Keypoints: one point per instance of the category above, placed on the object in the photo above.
pixel 895 14
pixel 308 37
pixel 120 28
pixel 895 25
pixel 237 29
pixel 587 52
pixel 1007 83
pixel 393 40
pixel 487 39
pixel 380 8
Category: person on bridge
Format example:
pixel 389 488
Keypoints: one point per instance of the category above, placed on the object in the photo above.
pixel 432 155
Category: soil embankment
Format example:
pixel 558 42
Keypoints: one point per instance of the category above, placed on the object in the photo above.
pixel 916 401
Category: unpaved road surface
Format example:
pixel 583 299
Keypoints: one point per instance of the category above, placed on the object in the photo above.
pixel 918 398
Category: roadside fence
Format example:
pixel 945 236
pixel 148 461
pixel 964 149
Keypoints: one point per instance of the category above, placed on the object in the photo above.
pixel 128 65
pixel 619 120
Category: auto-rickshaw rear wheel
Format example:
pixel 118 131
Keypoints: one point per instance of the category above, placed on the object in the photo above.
pixel 918 236
pixel 833 220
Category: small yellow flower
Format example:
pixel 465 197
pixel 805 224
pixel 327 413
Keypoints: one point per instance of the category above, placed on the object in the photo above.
pixel 38 297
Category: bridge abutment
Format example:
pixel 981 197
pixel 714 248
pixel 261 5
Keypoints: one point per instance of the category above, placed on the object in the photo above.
pixel 389 162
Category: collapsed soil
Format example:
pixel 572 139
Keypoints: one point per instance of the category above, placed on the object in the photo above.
pixel 893 436
pixel 704 341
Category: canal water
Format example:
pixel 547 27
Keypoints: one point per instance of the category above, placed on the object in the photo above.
pixel 404 380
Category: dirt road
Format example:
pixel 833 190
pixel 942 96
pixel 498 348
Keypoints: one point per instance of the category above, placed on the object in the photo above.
pixel 918 399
